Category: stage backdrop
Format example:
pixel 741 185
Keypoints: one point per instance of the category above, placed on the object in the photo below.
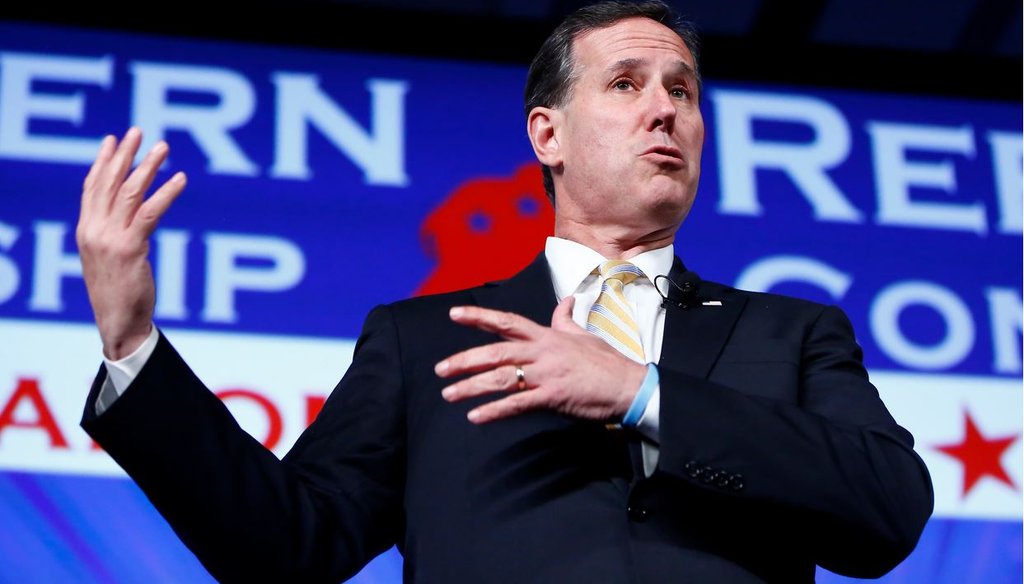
pixel 904 210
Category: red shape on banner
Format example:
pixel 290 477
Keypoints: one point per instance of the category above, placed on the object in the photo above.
pixel 487 229
pixel 28 389
pixel 979 455
pixel 314 403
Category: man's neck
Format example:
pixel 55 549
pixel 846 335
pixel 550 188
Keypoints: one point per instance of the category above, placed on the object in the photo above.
pixel 616 243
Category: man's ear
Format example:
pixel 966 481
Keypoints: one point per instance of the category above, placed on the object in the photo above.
pixel 544 128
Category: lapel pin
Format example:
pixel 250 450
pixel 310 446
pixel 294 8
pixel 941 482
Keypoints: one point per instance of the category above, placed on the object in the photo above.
pixel 711 303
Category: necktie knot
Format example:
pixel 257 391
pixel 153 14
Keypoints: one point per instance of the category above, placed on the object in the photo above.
pixel 620 270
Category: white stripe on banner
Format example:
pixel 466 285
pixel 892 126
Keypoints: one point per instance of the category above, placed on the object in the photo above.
pixel 274 381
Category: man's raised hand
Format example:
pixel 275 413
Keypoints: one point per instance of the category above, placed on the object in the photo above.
pixel 113 232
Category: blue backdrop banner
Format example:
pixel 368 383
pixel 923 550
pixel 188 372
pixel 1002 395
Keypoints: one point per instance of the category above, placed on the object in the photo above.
pixel 904 210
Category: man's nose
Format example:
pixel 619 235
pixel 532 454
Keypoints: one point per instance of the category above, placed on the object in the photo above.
pixel 661 110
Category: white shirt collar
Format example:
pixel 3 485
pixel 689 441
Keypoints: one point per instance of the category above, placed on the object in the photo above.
pixel 570 264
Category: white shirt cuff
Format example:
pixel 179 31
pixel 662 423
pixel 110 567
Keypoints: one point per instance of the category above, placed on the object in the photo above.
pixel 648 426
pixel 122 372
pixel 649 420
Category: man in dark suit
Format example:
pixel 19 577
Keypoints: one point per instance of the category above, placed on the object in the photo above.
pixel 493 437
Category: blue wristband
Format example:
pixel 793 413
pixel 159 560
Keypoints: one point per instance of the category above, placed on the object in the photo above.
pixel 639 405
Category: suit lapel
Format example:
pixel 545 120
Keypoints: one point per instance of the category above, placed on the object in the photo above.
pixel 695 336
pixel 529 293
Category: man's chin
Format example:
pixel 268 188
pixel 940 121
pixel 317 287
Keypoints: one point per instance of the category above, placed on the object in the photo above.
pixel 669 202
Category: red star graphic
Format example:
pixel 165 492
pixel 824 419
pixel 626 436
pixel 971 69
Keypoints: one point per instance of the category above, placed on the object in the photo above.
pixel 979 455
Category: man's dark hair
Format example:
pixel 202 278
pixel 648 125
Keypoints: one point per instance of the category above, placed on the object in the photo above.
pixel 553 70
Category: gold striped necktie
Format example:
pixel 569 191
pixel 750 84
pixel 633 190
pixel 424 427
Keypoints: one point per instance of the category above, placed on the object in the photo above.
pixel 612 317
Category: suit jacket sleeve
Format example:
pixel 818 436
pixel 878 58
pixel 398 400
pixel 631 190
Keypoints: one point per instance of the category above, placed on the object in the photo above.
pixel 330 506
pixel 830 463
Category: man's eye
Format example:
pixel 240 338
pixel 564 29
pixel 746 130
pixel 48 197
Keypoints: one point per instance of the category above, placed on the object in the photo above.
pixel 623 84
pixel 680 92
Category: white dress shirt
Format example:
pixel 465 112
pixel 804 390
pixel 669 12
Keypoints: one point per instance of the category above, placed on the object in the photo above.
pixel 572 272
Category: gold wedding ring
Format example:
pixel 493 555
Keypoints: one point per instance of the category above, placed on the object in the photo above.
pixel 520 378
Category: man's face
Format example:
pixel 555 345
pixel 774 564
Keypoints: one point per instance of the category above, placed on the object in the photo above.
pixel 631 134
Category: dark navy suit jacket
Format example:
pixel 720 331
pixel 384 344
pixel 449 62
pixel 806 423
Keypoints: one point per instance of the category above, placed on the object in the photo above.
pixel 776 454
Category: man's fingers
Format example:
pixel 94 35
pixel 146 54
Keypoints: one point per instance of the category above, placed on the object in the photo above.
pixel 481 359
pixel 89 184
pixel 504 378
pixel 507 324
pixel 117 168
pixel 130 195
pixel 506 407
pixel 153 209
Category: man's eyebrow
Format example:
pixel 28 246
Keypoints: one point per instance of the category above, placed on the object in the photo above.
pixel 680 67
pixel 684 68
pixel 625 65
